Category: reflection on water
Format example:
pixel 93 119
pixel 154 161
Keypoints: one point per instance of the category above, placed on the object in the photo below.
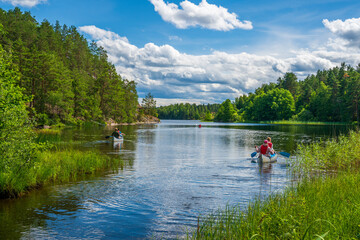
pixel 176 171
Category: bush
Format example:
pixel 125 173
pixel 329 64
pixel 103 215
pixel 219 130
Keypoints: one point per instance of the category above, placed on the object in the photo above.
pixel 304 115
pixel 16 137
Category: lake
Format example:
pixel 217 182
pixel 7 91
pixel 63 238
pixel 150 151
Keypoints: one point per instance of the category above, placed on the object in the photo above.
pixel 175 172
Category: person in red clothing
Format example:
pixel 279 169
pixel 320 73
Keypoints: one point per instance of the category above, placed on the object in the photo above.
pixel 270 143
pixel 264 149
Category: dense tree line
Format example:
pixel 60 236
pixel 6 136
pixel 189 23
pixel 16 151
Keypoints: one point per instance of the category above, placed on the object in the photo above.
pixel 68 79
pixel 188 111
pixel 16 136
pixel 329 96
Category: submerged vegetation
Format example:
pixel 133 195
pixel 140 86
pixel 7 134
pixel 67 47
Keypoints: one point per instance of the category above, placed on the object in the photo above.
pixel 319 206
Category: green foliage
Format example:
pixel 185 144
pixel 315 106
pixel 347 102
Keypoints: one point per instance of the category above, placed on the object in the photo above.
pixel 149 105
pixel 319 207
pixel 304 115
pixel 68 80
pixel 338 154
pixel 53 74
pixel 67 165
pixel 187 111
pixel 277 104
pixel 16 138
pixel 55 166
pixel 329 96
pixel 208 116
pixel 226 113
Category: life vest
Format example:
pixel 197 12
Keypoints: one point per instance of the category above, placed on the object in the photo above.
pixel 270 144
pixel 263 149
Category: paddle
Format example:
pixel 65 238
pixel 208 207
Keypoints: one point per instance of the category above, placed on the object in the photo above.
pixel 121 135
pixel 285 154
pixel 252 156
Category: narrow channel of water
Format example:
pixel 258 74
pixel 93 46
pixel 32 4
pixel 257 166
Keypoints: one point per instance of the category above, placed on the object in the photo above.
pixel 176 172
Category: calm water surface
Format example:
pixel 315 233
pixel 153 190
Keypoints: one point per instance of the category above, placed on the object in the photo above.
pixel 175 172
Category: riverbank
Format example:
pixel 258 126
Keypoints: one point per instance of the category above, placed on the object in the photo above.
pixel 289 122
pixel 319 206
pixel 145 119
pixel 54 166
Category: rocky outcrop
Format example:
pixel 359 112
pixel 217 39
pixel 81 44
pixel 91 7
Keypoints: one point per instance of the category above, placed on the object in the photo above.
pixel 144 119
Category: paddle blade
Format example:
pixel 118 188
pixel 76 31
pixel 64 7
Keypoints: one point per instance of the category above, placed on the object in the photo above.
pixel 285 154
pixel 253 154
pixel 107 136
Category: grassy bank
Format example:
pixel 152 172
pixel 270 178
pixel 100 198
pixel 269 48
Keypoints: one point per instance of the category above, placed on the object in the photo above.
pixel 322 207
pixel 340 154
pixel 54 166
pixel 289 122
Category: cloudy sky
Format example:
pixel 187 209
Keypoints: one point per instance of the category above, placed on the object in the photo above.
pixel 205 51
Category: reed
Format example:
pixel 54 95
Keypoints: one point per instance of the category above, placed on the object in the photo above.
pixel 55 167
pixel 338 154
pixel 48 131
pixel 290 122
pixel 317 209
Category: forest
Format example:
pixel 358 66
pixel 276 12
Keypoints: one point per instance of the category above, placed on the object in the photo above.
pixel 67 79
pixel 188 111
pixel 328 96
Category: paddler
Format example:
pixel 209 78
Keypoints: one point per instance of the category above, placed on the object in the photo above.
pixel 116 133
pixel 264 149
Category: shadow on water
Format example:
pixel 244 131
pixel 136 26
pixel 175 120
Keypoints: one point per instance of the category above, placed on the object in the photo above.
pixel 36 212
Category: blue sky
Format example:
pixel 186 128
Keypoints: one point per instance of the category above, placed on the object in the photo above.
pixel 207 51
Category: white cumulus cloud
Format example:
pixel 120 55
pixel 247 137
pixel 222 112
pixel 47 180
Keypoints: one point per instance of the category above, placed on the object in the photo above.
pixel 348 30
pixel 204 15
pixel 171 74
pixel 25 3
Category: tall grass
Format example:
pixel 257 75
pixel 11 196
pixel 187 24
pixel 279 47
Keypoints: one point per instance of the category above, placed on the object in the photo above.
pixel 322 207
pixel 48 131
pixel 291 122
pixel 55 166
pixel 316 209
pixel 341 154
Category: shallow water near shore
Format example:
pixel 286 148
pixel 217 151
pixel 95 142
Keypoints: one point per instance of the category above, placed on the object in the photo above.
pixel 175 172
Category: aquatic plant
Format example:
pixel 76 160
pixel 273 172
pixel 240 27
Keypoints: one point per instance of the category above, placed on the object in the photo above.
pixel 55 166
pixel 52 131
pixel 313 209
pixel 338 154
pixel 292 122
